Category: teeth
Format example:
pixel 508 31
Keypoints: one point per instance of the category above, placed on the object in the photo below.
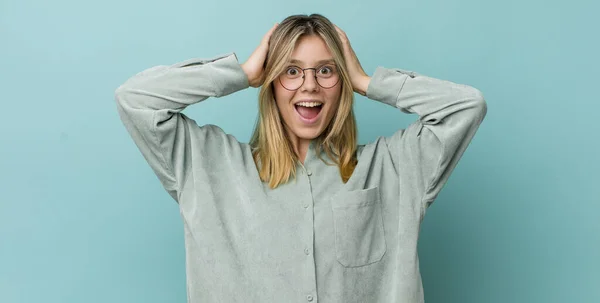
pixel 309 104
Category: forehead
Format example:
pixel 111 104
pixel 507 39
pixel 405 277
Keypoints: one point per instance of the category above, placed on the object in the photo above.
pixel 310 50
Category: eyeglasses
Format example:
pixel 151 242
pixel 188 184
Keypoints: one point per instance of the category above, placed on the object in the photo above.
pixel 326 75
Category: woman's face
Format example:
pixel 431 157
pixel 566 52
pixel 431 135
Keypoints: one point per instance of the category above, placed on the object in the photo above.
pixel 310 52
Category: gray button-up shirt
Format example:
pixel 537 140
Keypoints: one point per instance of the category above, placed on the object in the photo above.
pixel 313 239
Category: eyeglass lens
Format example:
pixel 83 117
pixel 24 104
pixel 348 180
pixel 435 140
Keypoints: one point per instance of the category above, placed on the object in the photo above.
pixel 293 77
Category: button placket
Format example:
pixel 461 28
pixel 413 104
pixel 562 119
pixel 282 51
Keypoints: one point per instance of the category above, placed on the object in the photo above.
pixel 308 250
pixel 308 172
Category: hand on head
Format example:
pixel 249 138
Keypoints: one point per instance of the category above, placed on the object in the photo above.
pixel 254 66
pixel 358 77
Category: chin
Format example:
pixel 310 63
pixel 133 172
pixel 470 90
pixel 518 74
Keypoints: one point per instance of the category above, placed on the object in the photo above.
pixel 308 134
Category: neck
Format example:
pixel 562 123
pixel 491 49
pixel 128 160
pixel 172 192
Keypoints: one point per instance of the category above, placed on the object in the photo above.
pixel 300 145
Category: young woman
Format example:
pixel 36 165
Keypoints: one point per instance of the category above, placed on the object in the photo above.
pixel 301 213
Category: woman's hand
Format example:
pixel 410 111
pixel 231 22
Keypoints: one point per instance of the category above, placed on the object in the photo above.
pixel 360 80
pixel 253 67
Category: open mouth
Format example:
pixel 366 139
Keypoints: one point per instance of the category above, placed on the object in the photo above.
pixel 308 112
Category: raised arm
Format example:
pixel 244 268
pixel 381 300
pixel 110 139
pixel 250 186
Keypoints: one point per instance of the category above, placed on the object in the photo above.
pixel 425 153
pixel 150 105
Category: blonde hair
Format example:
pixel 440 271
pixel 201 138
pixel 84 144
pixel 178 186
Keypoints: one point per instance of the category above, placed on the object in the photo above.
pixel 272 150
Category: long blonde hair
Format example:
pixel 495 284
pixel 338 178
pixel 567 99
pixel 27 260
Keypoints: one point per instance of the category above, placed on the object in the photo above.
pixel 272 150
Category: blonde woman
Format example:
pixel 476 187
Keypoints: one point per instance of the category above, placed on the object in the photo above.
pixel 301 213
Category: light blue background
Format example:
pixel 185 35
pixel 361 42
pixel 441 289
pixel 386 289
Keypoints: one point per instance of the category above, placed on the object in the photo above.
pixel 83 218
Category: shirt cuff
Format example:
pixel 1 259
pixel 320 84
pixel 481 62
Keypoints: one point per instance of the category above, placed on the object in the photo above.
pixel 228 75
pixel 386 84
pixel 234 78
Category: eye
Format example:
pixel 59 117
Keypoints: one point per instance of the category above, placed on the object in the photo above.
pixel 326 70
pixel 292 71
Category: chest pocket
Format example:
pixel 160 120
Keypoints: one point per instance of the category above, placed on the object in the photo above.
pixel 358 227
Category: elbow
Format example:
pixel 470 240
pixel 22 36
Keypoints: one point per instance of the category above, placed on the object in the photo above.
pixel 123 90
pixel 119 92
pixel 126 99
pixel 123 94
pixel 479 103
pixel 128 90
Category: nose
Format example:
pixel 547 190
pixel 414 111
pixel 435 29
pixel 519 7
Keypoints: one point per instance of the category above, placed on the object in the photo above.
pixel 310 81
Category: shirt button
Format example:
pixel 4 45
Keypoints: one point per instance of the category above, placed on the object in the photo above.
pixel 305 205
pixel 308 172
pixel 306 251
pixel 309 298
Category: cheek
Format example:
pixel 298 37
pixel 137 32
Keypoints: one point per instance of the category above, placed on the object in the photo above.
pixel 334 96
pixel 282 95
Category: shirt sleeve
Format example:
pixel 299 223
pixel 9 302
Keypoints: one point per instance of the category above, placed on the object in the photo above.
pixel 427 151
pixel 150 104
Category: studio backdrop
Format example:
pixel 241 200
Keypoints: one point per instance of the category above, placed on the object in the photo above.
pixel 84 219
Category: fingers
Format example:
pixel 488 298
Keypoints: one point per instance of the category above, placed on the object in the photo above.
pixel 267 37
pixel 342 35
pixel 354 67
pixel 254 66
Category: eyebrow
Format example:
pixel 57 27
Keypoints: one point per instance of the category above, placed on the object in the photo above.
pixel 295 61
